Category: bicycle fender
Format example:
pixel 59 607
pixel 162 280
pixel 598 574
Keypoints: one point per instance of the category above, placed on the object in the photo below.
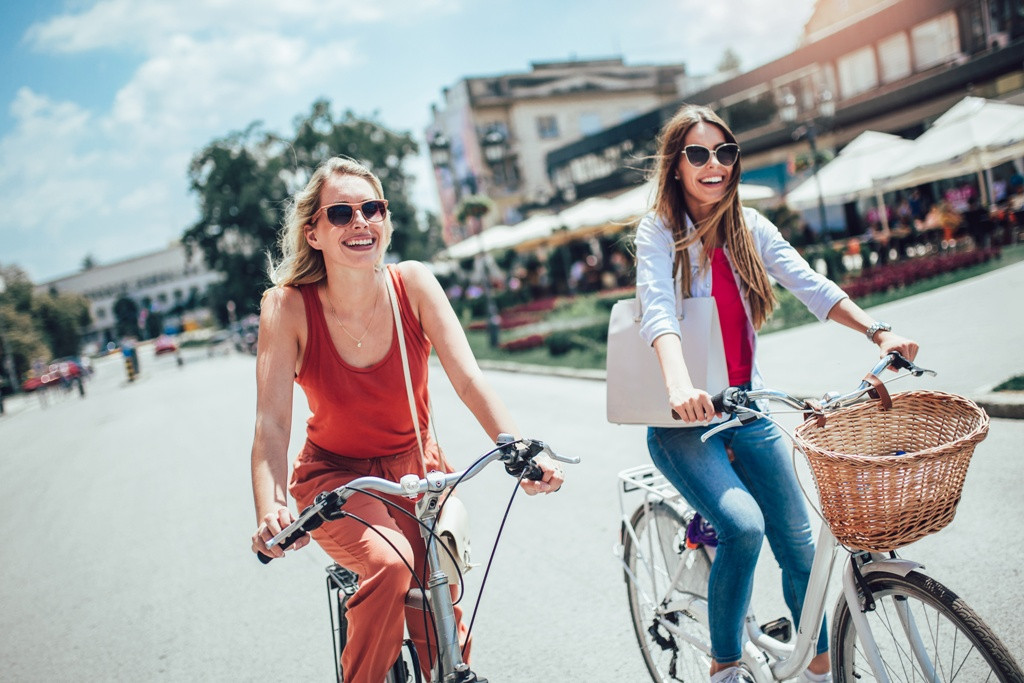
pixel 892 565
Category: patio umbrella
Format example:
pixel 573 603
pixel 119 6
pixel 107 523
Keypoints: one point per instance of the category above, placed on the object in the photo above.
pixel 975 134
pixel 849 176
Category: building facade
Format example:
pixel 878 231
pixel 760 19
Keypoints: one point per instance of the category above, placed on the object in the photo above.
pixel 495 132
pixel 886 65
pixel 158 282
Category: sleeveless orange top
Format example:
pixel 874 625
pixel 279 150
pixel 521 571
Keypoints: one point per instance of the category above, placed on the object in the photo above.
pixel 364 412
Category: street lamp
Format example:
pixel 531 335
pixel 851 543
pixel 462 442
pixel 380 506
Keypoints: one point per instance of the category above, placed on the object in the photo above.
pixel 441 157
pixel 809 130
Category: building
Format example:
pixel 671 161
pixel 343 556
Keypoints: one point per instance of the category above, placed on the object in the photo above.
pixel 886 65
pixel 492 134
pixel 158 282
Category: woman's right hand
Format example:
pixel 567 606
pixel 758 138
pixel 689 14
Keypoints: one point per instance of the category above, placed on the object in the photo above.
pixel 691 404
pixel 271 525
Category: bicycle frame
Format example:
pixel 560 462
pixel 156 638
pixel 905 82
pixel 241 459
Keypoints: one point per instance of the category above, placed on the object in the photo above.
pixel 789 658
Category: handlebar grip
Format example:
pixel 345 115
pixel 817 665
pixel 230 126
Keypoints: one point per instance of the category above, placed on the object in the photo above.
pixel 533 471
pixel 718 402
pixel 283 545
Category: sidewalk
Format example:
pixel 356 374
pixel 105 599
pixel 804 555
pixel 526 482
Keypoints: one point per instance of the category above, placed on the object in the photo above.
pixel 971 333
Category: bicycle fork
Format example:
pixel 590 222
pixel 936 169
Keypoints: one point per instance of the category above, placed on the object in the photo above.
pixel 450 666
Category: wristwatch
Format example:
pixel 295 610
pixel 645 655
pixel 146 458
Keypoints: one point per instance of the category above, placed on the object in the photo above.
pixel 875 328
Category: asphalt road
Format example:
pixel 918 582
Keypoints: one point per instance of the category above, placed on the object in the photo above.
pixel 128 514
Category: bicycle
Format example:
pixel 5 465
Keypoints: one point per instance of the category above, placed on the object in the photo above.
pixel 891 622
pixel 433 595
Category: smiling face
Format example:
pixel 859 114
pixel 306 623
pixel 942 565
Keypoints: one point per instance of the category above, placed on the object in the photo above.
pixel 360 243
pixel 703 187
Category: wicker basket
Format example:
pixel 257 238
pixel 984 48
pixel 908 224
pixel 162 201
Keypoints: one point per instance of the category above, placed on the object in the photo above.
pixel 889 477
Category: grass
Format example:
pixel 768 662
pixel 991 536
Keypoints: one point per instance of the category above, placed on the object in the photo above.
pixel 1012 384
pixel 789 313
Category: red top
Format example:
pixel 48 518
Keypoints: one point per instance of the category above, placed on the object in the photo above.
pixel 739 352
pixel 364 412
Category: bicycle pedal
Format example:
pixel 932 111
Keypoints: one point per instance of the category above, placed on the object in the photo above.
pixel 343 579
pixel 780 629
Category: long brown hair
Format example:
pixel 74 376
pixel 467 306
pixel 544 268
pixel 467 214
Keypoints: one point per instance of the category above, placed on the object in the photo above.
pixel 725 220
pixel 300 263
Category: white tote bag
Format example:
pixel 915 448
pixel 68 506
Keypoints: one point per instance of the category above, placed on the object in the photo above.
pixel 635 387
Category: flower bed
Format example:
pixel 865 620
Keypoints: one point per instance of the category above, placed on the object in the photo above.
pixel 884 278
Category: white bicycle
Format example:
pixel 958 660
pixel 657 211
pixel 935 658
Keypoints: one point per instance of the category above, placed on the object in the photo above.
pixel 891 621
pixel 433 595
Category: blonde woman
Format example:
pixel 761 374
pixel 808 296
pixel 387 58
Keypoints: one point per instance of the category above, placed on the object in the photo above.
pixel 698 239
pixel 327 325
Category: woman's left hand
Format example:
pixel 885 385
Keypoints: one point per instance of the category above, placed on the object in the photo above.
pixel 889 342
pixel 550 482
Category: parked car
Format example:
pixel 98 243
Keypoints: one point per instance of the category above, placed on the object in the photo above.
pixel 60 372
pixel 165 344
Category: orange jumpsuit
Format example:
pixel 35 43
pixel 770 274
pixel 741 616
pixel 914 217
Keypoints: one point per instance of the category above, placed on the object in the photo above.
pixel 361 425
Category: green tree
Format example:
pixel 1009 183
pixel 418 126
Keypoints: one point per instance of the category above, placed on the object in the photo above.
pixel 730 61
pixel 243 182
pixel 61 318
pixel 126 316
pixel 38 326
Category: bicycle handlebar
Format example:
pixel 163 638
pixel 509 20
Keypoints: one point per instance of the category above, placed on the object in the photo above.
pixel 733 400
pixel 517 455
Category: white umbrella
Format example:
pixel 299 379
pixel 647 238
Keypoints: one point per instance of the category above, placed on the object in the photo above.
pixel 849 176
pixel 975 134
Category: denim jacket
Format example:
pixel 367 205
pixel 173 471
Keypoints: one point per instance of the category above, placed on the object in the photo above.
pixel 655 256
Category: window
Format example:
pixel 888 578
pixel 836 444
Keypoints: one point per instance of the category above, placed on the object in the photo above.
pixel 894 55
pixel 935 41
pixel 547 127
pixel 590 123
pixel 857 72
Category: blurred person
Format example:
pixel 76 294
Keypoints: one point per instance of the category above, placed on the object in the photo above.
pixel 699 241
pixel 327 325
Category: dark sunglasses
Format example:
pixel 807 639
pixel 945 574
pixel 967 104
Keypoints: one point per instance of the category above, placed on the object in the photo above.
pixel 726 154
pixel 341 214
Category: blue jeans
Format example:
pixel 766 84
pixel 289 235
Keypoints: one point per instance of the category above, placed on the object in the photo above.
pixel 755 496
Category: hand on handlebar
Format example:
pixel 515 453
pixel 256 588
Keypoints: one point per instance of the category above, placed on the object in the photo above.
pixel 271 525
pixel 691 405
pixel 551 478
pixel 889 342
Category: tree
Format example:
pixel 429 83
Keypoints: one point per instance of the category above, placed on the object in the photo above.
pixel 126 315
pixel 243 182
pixel 730 61
pixel 38 326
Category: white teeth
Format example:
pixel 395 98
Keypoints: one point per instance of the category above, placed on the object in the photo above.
pixel 360 243
pixel 711 180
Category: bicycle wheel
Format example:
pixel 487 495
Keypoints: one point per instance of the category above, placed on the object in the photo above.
pixel 951 640
pixel 652 563
pixel 406 668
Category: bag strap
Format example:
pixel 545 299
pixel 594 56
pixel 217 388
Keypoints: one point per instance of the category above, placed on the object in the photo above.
pixel 405 361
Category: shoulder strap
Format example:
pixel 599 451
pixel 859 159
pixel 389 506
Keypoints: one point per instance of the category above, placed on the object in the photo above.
pixel 405 360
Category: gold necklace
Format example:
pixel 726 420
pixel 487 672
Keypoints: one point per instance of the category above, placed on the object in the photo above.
pixel 373 313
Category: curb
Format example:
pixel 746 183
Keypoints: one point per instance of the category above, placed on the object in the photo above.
pixel 1004 404
pixel 1001 404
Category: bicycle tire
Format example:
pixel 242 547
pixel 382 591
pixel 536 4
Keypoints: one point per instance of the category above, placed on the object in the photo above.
pixel 667 657
pixel 959 644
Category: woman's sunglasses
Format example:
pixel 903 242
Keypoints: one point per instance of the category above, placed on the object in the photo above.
pixel 341 214
pixel 726 153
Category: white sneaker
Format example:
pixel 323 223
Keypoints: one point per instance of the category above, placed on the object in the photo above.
pixel 734 674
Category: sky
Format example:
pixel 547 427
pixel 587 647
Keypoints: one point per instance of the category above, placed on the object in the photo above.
pixel 104 102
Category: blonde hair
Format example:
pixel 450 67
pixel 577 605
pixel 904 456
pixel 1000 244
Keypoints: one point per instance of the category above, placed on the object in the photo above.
pixel 724 221
pixel 300 263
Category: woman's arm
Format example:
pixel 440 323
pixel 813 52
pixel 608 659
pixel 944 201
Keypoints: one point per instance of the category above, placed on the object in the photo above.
pixel 690 403
pixel 849 314
pixel 442 328
pixel 277 356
